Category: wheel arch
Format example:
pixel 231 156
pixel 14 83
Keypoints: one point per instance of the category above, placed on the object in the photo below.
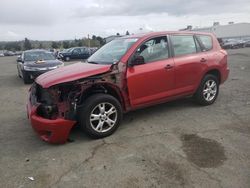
pixel 215 72
pixel 105 88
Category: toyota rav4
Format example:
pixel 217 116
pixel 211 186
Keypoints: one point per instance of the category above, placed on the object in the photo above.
pixel 127 73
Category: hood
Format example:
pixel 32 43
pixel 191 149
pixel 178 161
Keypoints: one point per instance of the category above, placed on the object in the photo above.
pixel 45 63
pixel 71 73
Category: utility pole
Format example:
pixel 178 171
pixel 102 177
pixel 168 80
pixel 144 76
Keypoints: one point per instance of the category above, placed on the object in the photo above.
pixel 89 43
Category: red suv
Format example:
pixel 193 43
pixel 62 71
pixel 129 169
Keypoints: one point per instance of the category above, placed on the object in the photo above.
pixel 126 74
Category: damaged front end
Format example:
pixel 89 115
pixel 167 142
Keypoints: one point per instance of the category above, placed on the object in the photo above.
pixel 52 111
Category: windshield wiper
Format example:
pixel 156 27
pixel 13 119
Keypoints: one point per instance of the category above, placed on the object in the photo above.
pixel 92 62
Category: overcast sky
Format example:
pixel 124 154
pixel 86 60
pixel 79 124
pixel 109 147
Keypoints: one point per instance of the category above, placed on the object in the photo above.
pixel 69 19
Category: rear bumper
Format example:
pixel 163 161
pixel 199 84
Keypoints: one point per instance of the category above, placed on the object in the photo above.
pixel 225 74
pixel 52 131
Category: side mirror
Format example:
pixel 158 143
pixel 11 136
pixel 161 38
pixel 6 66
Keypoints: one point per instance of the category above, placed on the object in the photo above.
pixel 19 59
pixel 137 60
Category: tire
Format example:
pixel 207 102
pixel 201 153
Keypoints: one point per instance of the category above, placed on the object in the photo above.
pixel 207 92
pixel 26 78
pixel 101 125
pixel 67 58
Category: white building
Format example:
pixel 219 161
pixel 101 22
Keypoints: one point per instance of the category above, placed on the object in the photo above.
pixel 232 30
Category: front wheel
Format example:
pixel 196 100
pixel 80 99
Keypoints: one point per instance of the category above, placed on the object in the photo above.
pixel 100 115
pixel 26 78
pixel 67 59
pixel 208 90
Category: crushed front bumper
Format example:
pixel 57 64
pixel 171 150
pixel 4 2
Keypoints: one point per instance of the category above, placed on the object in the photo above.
pixel 54 131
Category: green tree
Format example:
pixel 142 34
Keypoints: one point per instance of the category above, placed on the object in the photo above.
pixel 55 45
pixel 14 46
pixel 118 34
pixel 65 44
pixel 27 44
pixel 127 33
pixel 93 37
pixel 100 40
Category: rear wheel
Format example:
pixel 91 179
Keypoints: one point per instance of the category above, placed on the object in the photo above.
pixel 208 90
pixel 100 116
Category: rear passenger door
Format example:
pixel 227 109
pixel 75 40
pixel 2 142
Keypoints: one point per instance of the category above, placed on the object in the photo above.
pixel 189 62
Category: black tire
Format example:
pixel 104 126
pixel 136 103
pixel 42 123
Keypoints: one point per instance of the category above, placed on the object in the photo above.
pixel 90 105
pixel 26 78
pixel 67 58
pixel 199 96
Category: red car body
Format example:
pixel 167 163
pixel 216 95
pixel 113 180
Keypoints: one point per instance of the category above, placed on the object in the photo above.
pixel 134 86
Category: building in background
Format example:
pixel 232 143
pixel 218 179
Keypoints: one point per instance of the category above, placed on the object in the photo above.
pixel 230 31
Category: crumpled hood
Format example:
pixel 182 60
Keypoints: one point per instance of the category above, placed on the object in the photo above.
pixel 71 73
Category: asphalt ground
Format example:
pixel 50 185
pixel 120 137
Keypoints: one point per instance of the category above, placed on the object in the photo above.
pixel 176 144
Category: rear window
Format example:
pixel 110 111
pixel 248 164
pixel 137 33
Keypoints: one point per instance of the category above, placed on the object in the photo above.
pixel 183 44
pixel 206 41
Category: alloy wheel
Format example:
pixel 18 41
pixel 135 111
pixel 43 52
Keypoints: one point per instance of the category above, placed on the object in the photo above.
pixel 103 117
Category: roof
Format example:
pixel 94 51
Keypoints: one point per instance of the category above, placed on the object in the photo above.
pixel 36 50
pixel 151 34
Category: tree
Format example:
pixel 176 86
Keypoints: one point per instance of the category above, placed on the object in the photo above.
pixel 118 34
pixel 101 40
pixel 79 42
pixel 14 46
pixel 127 33
pixel 55 45
pixel 65 44
pixel 93 37
pixel 27 44
pixel 40 45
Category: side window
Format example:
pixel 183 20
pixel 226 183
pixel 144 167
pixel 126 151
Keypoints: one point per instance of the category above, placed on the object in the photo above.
pixel 154 49
pixel 183 44
pixel 77 51
pixel 206 41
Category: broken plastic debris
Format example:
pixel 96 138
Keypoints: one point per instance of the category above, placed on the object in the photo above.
pixel 31 178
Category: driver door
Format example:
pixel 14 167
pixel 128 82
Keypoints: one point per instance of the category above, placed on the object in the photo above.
pixel 152 81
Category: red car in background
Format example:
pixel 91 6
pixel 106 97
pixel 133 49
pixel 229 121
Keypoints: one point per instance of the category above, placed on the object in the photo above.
pixel 128 73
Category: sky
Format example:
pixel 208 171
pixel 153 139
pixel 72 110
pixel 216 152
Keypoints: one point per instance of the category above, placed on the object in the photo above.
pixel 70 19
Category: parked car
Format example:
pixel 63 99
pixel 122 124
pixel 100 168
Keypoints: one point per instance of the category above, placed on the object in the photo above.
pixel 75 53
pixel 33 63
pixel 1 54
pixel 247 44
pixel 126 74
pixel 9 53
pixel 233 44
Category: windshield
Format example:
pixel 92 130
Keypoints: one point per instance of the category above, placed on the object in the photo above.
pixel 112 51
pixel 40 55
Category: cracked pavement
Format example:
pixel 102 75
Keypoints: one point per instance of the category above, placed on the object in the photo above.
pixel 176 144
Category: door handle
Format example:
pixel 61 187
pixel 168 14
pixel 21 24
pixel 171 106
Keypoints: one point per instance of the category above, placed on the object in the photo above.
pixel 203 60
pixel 168 66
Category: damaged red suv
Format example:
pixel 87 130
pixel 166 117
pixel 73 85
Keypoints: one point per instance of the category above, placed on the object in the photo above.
pixel 126 74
